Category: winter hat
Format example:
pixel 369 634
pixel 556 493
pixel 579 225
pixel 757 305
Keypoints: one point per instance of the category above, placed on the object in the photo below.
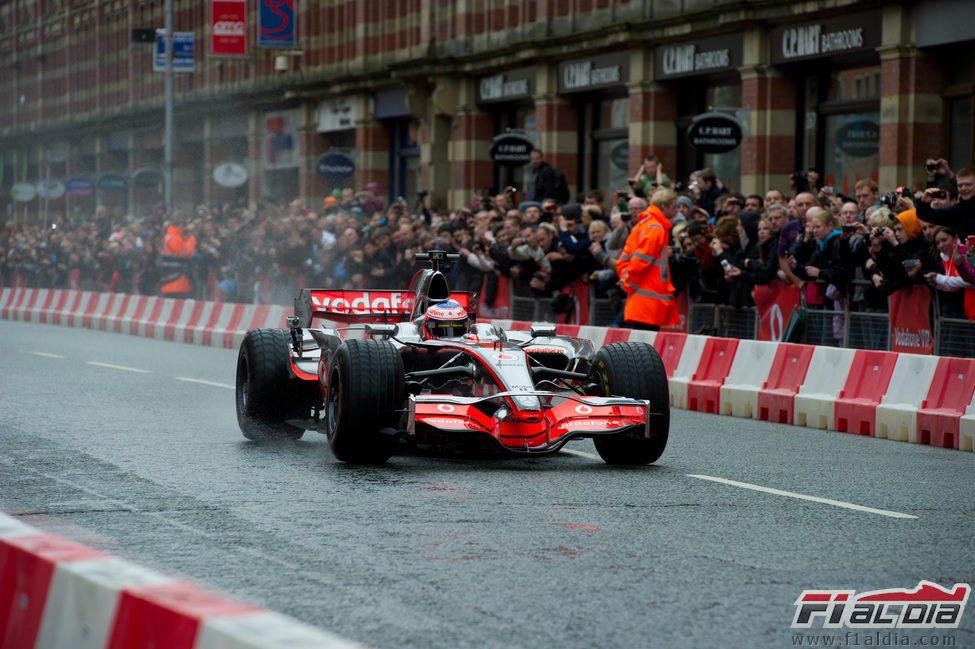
pixel 912 224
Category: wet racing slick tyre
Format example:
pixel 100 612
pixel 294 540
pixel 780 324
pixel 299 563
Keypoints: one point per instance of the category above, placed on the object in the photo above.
pixel 634 370
pixel 267 393
pixel 365 394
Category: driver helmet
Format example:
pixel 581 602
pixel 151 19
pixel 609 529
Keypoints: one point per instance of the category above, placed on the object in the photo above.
pixel 446 319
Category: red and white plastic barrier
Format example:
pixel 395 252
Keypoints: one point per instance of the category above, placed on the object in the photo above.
pixel 906 397
pixel 847 390
pixel 58 594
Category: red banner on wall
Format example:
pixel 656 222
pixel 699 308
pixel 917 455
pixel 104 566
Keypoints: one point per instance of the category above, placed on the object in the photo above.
pixel 910 324
pixel 774 302
pixel 228 27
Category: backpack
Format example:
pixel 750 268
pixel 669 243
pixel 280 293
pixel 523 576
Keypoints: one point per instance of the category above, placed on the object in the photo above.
pixel 561 187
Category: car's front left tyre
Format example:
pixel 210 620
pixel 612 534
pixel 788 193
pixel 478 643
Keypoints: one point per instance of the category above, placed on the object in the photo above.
pixel 364 400
pixel 634 370
pixel 267 395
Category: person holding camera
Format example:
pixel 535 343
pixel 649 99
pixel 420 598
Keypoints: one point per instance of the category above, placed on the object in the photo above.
pixel 644 270
pixel 961 215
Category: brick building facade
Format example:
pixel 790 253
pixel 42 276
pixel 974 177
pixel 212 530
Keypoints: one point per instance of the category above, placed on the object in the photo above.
pixel 410 93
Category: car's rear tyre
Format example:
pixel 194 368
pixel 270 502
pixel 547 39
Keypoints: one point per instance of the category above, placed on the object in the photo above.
pixel 634 370
pixel 365 394
pixel 267 394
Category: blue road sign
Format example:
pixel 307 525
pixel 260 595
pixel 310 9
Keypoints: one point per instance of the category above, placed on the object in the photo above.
pixel 183 52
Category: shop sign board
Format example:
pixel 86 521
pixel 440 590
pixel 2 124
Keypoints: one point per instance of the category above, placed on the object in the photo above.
pixel 594 72
pixel 511 85
pixel 849 34
pixel 80 186
pixel 113 184
pixel 700 57
pixel 714 133
pixel 50 189
pixel 230 174
pixel 512 149
pixel 335 167
pixel 859 138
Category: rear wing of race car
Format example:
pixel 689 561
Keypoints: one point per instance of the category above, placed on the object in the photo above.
pixel 368 306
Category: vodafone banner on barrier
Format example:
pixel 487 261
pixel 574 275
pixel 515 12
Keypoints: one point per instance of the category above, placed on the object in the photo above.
pixel 774 302
pixel 910 324
pixel 228 27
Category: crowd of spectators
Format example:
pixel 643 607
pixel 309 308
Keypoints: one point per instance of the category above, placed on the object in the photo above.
pixel 850 251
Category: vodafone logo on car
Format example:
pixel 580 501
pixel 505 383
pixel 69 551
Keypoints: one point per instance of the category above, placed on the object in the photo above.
pixel 605 424
pixel 451 422
pixel 360 303
pixel 445 407
pixel 583 409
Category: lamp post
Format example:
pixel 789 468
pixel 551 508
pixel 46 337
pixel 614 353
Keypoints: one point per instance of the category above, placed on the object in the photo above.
pixel 168 146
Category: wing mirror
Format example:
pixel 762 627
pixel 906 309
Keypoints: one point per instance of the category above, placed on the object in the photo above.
pixel 542 329
pixel 380 329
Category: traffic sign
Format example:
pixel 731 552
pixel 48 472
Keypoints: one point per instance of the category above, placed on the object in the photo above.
pixel 183 52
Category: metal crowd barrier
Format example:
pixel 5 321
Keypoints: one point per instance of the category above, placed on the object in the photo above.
pixel 835 328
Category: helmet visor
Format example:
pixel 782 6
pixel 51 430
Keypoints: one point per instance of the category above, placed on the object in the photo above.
pixel 448 329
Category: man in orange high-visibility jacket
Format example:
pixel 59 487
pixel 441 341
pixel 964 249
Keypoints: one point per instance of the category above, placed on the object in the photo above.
pixel 643 268
pixel 174 262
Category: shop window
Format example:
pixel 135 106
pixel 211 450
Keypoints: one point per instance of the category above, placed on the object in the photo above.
pixel 522 120
pixel 841 134
pixel 960 127
pixel 726 166
pixel 604 145
pixel 958 145
pixel 404 158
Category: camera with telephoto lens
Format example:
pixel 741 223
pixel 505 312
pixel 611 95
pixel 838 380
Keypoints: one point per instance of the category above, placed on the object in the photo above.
pixel 889 200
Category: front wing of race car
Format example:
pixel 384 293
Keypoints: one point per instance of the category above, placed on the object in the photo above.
pixel 530 422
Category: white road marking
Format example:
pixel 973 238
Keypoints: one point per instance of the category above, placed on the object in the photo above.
pixel 790 494
pixel 46 354
pixel 118 367
pixel 589 456
pixel 202 382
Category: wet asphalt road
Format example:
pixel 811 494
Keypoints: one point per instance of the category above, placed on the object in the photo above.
pixel 131 446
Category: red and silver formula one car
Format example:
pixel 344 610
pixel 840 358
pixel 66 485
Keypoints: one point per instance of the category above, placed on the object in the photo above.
pixel 413 368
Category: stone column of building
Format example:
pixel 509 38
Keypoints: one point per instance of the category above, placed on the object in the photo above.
pixel 653 115
pixel 211 156
pixel 460 135
pixel 255 143
pixel 103 164
pixel 184 181
pixel 910 104
pixel 372 143
pixel 769 149
pixel 311 186
pixel 436 131
pixel 557 122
